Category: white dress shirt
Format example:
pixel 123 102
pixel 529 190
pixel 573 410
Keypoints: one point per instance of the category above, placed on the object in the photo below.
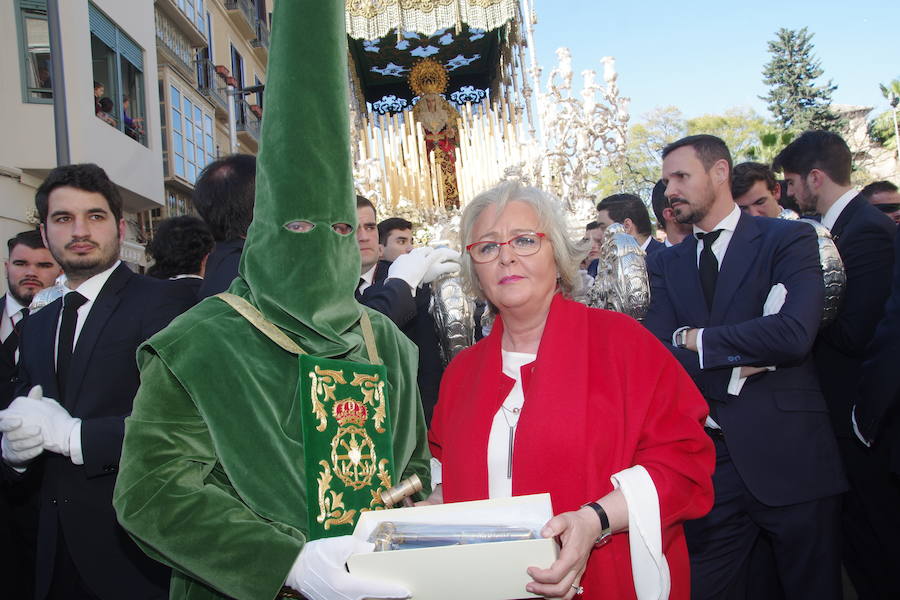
pixel 367 278
pixel 90 289
pixel 831 215
pixel 498 457
pixel 12 314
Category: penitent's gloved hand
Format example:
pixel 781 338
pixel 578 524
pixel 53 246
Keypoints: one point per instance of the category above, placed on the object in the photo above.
pixel 319 572
pixel 415 267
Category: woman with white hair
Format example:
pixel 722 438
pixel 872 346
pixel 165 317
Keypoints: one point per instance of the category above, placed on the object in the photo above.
pixel 578 402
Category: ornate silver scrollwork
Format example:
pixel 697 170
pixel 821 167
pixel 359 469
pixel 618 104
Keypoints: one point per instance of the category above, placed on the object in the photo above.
pixel 454 315
pixel 622 283
pixel 833 274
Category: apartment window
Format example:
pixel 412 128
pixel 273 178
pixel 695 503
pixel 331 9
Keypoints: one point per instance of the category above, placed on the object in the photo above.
pixel 118 68
pixel 34 51
pixel 192 135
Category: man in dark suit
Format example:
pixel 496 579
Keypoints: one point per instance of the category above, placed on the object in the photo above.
pixel 665 217
pixel 740 303
pixel 632 214
pixel 400 290
pixel 180 249
pixel 875 413
pixel 817 167
pixel 29 269
pixel 224 196
pixel 77 358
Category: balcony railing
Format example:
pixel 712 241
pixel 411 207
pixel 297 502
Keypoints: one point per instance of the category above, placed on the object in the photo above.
pixel 262 36
pixel 248 12
pixel 248 122
pixel 210 84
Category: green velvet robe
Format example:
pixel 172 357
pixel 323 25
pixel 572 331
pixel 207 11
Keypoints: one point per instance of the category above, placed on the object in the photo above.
pixel 212 469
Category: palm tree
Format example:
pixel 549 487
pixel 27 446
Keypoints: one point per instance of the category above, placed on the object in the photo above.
pixel 892 93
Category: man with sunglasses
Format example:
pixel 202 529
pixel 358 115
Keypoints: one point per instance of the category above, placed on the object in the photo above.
pixel 884 196
pixel 817 167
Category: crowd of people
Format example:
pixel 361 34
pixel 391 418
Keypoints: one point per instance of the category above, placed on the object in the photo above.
pixel 733 444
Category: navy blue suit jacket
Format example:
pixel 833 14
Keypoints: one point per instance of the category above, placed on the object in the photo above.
pixel 103 380
pixel 221 267
pixel 393 298
pixel 879 392
pixel 777 427
pixel 864 237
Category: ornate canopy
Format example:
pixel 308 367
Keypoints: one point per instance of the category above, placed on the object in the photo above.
pixel 373 19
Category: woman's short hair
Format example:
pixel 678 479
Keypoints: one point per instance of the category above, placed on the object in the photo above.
pixel 567 253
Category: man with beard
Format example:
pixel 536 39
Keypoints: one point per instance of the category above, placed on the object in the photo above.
pixel 29 269
pixel 739 303
pixel 77 360
pixel 817 167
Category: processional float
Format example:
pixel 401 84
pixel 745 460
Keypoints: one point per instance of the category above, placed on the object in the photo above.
pixel 447 101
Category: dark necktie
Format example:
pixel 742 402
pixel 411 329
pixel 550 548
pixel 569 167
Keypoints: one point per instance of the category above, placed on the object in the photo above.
pixel 358 293
pixel 71 302
pixel 709 265
pixel 11 343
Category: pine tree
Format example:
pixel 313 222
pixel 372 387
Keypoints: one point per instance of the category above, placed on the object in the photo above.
pixel 794 98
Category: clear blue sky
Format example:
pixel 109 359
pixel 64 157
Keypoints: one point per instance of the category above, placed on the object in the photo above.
pixel 705 57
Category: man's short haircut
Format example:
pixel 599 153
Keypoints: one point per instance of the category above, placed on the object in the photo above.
pixel 659 202
pixel 391 224
pixel 86 177
pixel 224 195
pixel 709 149
pixel 877 187
pixel 31 238
pixel 748 173
pixel 627 206
pixel 591 226
pixel 363 202
pixel 822 150
pixel 178 246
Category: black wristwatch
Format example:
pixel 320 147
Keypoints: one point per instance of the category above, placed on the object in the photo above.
pixel 606 530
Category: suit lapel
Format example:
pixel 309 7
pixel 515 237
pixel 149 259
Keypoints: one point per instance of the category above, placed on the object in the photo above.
pixel 742 251
pixel 845 217
pixel 101 311
pixel 686 291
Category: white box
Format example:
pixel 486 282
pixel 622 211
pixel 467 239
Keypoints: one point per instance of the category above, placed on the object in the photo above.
pixel 490 571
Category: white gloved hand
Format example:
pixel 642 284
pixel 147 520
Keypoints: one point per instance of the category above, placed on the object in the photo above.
pixel 443 261
pixel 54 422
pixel 319 572
pixel 21 444
pixel 411 267
pixel 775 300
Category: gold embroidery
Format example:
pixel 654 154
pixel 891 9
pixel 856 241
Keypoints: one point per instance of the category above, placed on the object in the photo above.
pixel 331 503
pixel 324 381
pixel 352 450
pixel 373 394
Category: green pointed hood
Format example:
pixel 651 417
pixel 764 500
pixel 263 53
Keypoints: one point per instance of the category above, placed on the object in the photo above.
pixel 305 282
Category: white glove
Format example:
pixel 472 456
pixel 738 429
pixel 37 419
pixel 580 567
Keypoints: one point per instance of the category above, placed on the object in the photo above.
pixel 21 444
pixel 443 261
pixel 53 421
pixel 775 300
pixel 423 265
pixel 319 572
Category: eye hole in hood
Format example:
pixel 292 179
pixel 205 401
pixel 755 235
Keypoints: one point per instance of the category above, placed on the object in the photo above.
pixel 299 226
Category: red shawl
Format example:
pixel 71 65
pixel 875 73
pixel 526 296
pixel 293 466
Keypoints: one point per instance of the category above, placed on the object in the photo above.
pixel 603 395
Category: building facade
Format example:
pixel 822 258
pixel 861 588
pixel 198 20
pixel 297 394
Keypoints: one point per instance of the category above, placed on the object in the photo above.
pixel 145 88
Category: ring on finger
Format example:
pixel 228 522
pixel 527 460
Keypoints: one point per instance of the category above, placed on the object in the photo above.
pixel 579 590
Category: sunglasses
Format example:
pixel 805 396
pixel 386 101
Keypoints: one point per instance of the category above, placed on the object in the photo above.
pixel 888 208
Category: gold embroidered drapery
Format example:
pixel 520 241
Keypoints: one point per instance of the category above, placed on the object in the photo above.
pixel 373 19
